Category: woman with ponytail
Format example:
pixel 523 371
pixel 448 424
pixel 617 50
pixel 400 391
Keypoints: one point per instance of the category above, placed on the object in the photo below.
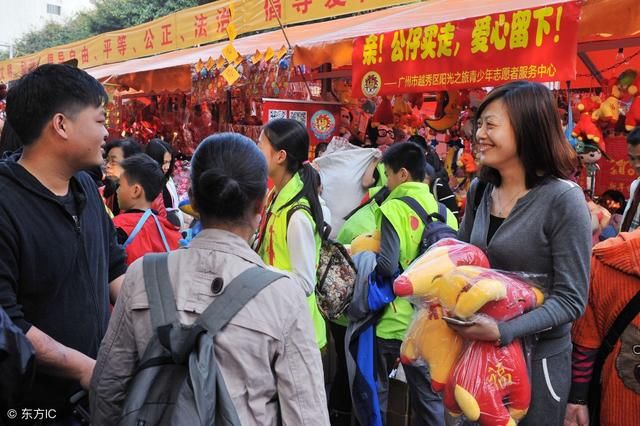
pixel 293 222
pixel 269 384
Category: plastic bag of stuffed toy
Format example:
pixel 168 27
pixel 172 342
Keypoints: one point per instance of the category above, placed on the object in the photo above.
pixel 485 383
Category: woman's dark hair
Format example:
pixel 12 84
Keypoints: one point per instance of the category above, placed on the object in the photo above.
pixel 129 147
pixel 156 149
pixel 228 176
pixel 291 136
pixel 541 144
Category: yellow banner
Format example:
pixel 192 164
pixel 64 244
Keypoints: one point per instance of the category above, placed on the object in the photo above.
pixel 189 28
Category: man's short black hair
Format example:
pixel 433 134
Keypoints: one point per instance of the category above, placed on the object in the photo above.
pixel 634 137
pixel 406 155
pixel 47 90
pixel 146 172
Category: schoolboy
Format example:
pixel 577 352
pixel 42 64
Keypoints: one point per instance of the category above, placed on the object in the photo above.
pixel 401 232
pixel 139 228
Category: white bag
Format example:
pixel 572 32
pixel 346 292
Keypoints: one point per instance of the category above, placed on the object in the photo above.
pixel 341 169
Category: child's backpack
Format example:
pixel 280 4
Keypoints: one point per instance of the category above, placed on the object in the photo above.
pixel 178 380
pixel 147 214
pixel 435 224
pixel 336 273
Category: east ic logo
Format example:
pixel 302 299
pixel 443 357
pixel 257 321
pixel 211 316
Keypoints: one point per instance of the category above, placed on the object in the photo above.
pixel 371 83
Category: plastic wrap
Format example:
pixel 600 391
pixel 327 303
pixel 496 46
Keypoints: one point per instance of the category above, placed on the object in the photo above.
pixel 480 380
pixel 441 258
pixel 489 384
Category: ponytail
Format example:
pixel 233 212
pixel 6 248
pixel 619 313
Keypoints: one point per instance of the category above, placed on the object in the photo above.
pixel 310 183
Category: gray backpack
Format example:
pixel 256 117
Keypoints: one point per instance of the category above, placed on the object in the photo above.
pixel 178 381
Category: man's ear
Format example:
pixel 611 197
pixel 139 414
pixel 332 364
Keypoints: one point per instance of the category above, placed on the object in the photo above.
pixel 59 123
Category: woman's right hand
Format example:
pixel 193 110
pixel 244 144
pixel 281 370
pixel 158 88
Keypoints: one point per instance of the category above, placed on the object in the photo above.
pixel 576 415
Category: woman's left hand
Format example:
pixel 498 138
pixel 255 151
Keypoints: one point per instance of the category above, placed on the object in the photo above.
pixel 484 328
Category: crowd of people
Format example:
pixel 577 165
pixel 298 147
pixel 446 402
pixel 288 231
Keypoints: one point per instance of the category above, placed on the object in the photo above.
pixel 82 311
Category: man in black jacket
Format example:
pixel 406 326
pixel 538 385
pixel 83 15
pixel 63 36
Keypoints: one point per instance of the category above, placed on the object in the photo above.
pixel 60 261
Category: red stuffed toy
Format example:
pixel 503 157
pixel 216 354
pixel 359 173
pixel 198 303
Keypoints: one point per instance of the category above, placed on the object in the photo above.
pixel 586 127
pixel 484 376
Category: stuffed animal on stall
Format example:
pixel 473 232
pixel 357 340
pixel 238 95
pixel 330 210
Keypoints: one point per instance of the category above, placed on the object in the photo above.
pixel 489 384
pixel 609 111
pixel 447 110
pixel 586 127
pixel 632 118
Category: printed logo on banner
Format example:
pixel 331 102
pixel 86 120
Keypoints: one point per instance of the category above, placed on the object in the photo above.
pixel 275 114
pixel 323 123
pixel 371 83
pixel 300 116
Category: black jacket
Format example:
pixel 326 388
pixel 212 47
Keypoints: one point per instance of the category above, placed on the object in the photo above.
pixel 54 269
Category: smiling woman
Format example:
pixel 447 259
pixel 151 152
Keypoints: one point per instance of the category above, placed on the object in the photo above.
pixel 531 218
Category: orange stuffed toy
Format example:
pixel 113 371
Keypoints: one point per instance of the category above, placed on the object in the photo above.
pixel 586 127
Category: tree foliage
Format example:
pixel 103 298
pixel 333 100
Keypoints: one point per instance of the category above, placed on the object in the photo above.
pixel 108 15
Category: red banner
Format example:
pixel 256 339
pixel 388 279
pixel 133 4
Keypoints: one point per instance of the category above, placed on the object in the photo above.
pixel 616 173
pixel 538 44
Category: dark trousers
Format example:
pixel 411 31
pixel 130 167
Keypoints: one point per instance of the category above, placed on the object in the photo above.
pixel 427 404
pixel 340 406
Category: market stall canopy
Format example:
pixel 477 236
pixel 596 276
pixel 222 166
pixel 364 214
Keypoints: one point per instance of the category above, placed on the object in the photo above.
pixel 604 25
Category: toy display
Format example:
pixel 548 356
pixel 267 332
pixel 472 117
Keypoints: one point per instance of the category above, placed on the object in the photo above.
pixel 586 127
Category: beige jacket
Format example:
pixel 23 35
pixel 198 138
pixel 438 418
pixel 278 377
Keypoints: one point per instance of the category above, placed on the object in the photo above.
pixel 267 354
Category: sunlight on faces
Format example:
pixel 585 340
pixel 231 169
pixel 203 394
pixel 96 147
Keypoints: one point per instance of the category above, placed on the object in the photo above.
pixel 128 193
pixel 395 179
pixel 86 132
pixel 113 169
pixel 496 140
pixel 274 158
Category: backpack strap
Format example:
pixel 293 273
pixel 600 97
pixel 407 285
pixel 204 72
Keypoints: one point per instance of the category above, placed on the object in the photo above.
pixel 147 214
pixel 326 228
pixel 624 318
pixel 422 213
pixel 162 302
pixel 238 292
pixel 442 212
